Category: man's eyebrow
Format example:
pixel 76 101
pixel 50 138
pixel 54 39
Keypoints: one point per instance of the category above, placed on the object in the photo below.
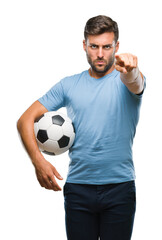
pixel 93 44
pixel 108 44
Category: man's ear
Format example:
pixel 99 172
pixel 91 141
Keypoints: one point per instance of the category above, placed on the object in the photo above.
pixel 117 47
pixel 84 45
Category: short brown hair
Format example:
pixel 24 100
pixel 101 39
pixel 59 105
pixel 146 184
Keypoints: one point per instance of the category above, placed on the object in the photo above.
pixel 101 24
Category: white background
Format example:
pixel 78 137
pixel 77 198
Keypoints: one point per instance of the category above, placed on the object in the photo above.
pixel 40 43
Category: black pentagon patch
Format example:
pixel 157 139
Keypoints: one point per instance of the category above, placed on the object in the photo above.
pixel 42 136
pixel 58 120
pixel 49 153
pixel 63 142
pixel 37 119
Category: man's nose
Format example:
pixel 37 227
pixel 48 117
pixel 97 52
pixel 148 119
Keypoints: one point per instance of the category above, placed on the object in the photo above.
pixel 100 52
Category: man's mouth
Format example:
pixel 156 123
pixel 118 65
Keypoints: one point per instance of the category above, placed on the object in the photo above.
pixel 100 62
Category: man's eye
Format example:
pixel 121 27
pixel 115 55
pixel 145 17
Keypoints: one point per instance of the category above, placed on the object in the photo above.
pixel 107 46
pixel 93 46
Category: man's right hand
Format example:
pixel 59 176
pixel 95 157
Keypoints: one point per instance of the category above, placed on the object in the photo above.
pixel 46 174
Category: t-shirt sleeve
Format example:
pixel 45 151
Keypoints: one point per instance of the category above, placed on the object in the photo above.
pixel 54 98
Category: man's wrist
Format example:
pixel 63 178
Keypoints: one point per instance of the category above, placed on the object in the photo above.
pixel 37 158
pixel 133 81
pixel 131 76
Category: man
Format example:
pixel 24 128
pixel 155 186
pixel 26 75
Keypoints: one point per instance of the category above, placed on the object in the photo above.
pixel 103 103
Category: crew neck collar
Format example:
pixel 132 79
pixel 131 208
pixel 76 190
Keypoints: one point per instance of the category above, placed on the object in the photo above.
pixel 106 76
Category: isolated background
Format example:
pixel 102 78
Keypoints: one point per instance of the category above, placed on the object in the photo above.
pixel 40 43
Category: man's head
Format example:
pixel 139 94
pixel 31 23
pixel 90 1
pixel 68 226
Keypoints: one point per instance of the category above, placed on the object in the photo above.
pixel 101 43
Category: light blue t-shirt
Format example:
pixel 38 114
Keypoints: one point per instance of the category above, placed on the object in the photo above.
pixel 105 115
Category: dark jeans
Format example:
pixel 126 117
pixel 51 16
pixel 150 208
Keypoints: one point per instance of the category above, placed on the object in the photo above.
pixel 105 211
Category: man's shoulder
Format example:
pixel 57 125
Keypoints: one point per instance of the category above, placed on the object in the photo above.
pixel 70 81
pixel 75 76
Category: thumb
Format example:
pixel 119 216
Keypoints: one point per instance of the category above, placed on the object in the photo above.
pixel 57 174
pixel 118 58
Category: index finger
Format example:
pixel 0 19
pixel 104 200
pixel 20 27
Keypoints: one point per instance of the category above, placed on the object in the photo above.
pixel 54 184
pixel 119 58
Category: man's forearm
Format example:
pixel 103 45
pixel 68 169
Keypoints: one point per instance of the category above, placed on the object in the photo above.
pixel 26 130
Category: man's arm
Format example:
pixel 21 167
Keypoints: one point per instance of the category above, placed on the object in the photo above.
pixel 130 75
pixel 45 171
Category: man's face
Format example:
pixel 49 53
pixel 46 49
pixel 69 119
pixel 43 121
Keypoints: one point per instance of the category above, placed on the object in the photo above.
pixel 100 50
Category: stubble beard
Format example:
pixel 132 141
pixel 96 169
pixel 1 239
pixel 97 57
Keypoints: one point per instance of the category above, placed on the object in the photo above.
pixel 108 65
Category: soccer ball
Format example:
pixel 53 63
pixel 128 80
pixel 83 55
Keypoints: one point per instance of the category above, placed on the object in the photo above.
pixel 54 133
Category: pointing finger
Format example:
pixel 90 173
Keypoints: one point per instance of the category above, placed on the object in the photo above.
pixel 119 59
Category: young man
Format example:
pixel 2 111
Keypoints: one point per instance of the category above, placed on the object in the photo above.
pixel 103 103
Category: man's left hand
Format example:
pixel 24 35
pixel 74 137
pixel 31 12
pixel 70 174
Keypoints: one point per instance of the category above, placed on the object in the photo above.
pixel 125 62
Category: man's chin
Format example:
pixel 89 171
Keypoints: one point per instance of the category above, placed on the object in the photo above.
pixel 102 68
pixel 99 69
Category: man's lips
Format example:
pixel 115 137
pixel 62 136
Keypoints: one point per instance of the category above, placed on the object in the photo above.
pixel 100 62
